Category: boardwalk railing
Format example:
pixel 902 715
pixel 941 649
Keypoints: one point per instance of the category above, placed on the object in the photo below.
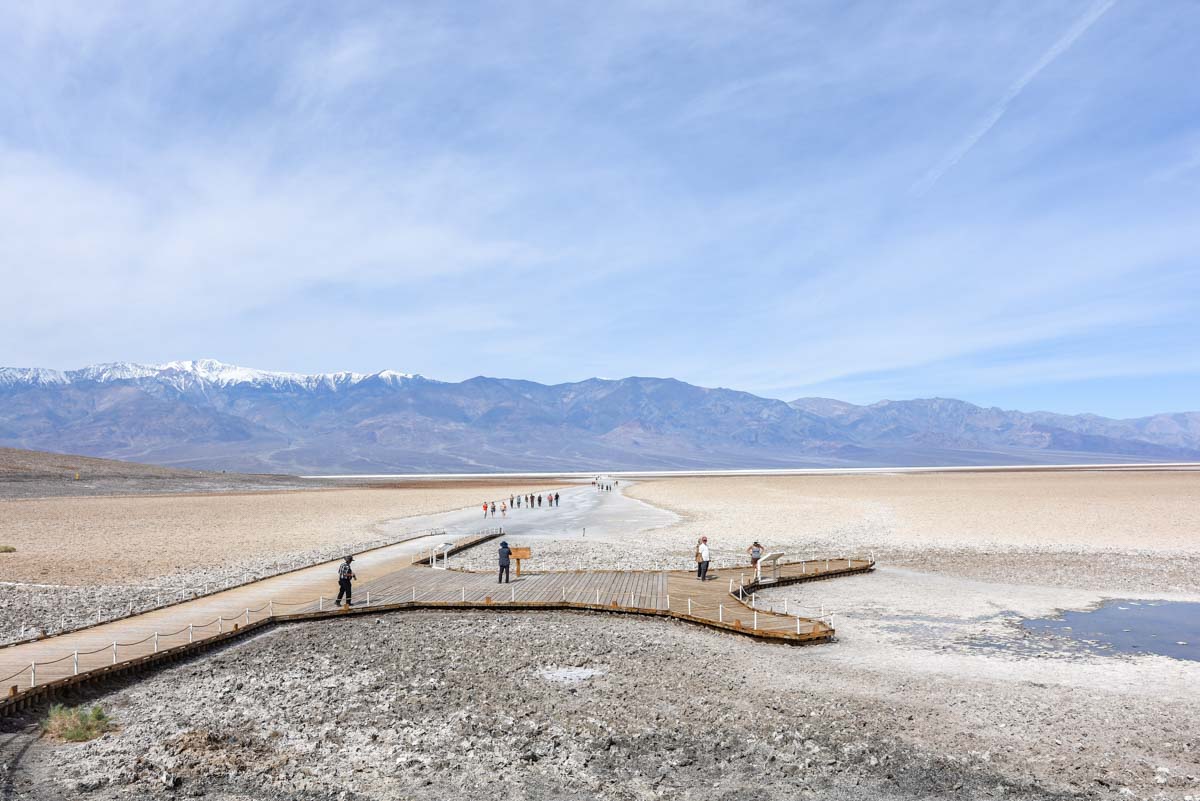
pixel 742 614
pixel 79 662
pixel 170 596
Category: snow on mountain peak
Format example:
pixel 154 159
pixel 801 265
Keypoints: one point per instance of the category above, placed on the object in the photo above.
pixel 31 375
pixel 185 372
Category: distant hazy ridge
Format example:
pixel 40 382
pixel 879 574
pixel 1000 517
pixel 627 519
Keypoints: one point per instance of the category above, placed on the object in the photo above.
pixel 205 414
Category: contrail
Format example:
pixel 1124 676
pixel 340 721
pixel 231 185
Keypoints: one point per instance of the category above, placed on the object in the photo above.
pixel 1057 49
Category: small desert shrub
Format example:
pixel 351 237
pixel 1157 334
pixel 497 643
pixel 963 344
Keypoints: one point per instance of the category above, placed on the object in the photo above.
pixel 76 724
pixel 7 549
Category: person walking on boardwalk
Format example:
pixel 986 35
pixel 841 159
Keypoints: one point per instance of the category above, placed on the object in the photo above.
pixel 539 500
pixel 485 508
pixel 756 552
pixel 345 576
pixel 503 509
pixel 512 499
pixel 493 508
pixel 556 499
pixel 702 558
pixel 505 554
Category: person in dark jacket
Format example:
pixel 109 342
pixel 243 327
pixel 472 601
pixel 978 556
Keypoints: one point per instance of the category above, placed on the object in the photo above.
pixel 505 553
pixel 556 499
pixel 345 576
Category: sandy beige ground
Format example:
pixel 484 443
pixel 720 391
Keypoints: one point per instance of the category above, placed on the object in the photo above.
pixel 1093 530
pixel 130 539
pixel 1059 510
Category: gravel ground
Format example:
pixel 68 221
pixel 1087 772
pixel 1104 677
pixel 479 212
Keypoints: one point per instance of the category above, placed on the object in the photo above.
pixel 562 706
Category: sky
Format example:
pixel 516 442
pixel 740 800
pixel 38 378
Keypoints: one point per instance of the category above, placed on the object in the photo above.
pixel 995 201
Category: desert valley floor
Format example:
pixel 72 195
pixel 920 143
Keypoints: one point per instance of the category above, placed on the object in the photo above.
pixel 933 688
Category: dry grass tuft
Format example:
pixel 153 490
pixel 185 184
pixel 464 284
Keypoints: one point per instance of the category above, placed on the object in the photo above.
pixel 76 724
pixel 7 549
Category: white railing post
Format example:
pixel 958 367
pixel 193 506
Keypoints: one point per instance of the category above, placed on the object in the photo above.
pixel 668 602
pixel 721 613
pixel 414 593
pixel 75 662
pixel 114 652
pixel 271 608
pixel 514 593
pixel 156 642
pixel 785 611
pixel 368 597
pixel 597 597
pixel 632 602
pixel 464 594
pixel 32 675
pixel 247 616
pixel 689 606
pixel 564 594
pixel 756 620
pixel 220 624
pixel 191 636
pixel 321 604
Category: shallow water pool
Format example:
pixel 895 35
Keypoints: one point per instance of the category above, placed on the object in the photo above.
pixel 1169 628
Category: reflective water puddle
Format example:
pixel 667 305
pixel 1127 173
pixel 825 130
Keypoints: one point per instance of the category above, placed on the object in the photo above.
pixel 1169 628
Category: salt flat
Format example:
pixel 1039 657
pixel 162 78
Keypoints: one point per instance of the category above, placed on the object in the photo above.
pixel 933 689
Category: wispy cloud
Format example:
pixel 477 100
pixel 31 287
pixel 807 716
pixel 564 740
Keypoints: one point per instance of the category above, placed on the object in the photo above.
pixel 1064 42
pixel 722 194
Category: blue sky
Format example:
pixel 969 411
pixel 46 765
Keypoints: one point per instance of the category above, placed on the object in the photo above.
pixel 997 201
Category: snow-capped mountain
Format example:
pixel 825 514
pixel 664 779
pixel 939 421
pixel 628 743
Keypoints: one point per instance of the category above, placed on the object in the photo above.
pixel 205 413
pixel 198 371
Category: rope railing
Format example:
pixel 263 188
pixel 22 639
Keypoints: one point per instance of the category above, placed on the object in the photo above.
pixel 170 596
pixel 741 604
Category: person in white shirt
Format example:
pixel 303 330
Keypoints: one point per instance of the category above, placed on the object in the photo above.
pixel 702 559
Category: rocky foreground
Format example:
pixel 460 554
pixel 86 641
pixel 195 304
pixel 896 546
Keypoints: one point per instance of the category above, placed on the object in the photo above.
pixel 571 706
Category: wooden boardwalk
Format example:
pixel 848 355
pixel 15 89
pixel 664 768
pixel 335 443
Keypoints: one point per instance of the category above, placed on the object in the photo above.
pixel 396 580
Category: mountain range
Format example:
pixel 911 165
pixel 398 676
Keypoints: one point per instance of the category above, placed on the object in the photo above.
pixel 210 415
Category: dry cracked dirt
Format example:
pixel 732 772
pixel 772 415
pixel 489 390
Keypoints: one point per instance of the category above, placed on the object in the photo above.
pixel 496 705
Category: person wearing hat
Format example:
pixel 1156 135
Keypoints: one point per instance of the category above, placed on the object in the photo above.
pixel 345 576
pixel 505 553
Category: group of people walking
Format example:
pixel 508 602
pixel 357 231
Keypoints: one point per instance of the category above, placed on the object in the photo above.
pixel 530 501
